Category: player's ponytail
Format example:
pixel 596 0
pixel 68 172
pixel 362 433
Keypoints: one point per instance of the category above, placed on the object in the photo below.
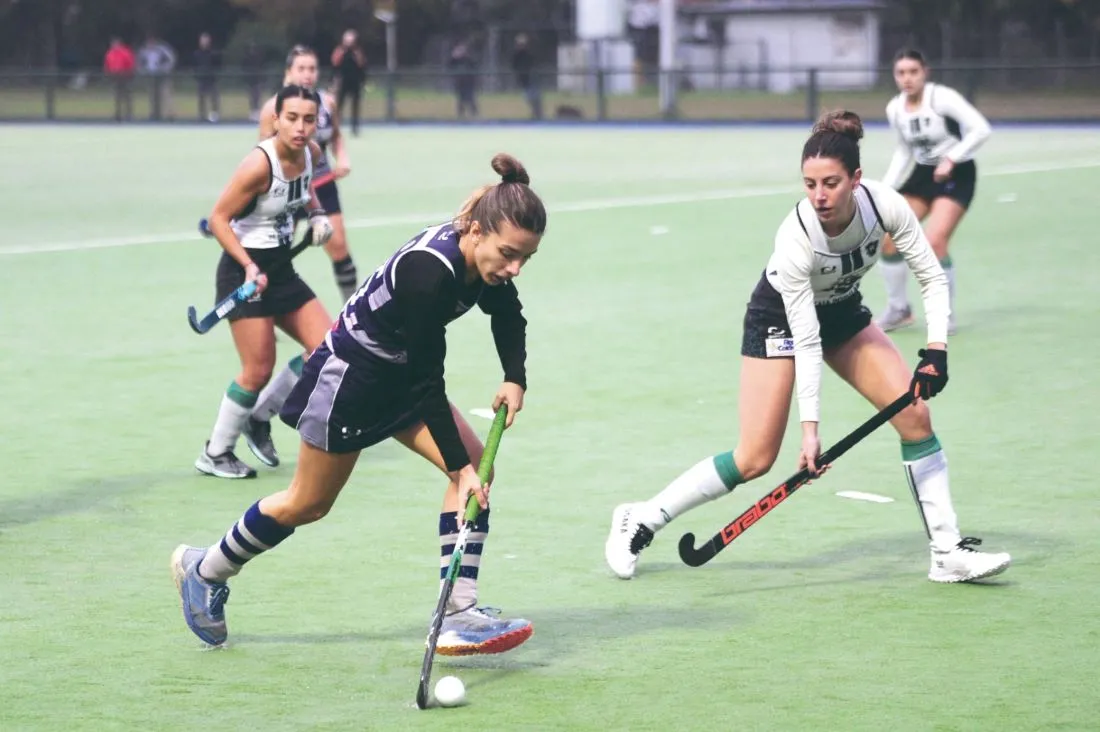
pixel 511 200
pixel 836 135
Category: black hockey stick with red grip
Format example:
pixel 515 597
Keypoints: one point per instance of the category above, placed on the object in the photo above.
pixel 697 557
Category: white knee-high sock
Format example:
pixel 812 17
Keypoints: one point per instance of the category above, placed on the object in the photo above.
pixel 705 481
pixel 232 416
pixel 896 274
pixel 926 472
pixel 274 395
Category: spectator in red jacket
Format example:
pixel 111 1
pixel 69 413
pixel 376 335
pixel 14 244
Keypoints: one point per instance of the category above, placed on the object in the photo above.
pixel 118 64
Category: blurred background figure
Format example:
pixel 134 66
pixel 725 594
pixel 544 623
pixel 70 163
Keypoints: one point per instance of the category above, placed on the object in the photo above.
pixel 350 64
pixel 207 65
pixel 118 64
pixel 463 66
pixel 523 65
pixel 157 60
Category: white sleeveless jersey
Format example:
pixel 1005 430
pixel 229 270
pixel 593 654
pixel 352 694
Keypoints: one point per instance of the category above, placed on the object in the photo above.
pixel 810 269
pixel 945 125
pixel 268 220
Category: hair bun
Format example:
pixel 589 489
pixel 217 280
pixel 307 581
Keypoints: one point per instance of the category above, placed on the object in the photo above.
pixel 510 170
pixel 843 123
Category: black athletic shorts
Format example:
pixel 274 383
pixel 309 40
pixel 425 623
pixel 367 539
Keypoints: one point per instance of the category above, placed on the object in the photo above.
pixel 959 187
pixel 767 334
pixel 328 197
pixel 340 407
pixel 286 292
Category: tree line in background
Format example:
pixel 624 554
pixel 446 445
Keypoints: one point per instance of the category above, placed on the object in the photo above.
pixel 75 33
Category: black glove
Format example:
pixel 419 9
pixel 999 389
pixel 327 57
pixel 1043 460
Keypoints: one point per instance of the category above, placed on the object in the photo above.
pixel 931 375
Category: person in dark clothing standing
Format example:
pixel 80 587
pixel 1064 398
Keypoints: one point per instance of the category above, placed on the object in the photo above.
pixel 351 73
pixel 463 67
pixel 207 64
pixel 523 65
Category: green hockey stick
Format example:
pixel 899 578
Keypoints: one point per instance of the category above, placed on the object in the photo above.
pixel 484 470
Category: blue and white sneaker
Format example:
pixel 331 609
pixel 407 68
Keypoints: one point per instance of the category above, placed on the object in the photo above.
pixel 203 602
pixel 479 630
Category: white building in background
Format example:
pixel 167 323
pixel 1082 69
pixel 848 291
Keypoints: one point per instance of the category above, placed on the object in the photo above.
pixel 731 44
pixel 768 44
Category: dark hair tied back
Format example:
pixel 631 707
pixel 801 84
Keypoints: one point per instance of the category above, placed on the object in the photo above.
pixel 836 135
pixel 295 91
pixel 912 54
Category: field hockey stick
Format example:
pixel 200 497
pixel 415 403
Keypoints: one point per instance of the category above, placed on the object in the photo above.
pixel 242 293
pixel 697 557
pixel 472 509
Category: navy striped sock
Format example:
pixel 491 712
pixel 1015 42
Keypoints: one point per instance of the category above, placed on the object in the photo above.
pixel 464 594
pixel 252 535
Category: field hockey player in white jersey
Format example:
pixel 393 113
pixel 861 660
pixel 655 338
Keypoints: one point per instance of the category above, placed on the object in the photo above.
pixel 301 69
pixel 253 221
pixel 938 133
pixel 807 311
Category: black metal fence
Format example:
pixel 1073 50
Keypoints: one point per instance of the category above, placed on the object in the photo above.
pixel 1052 92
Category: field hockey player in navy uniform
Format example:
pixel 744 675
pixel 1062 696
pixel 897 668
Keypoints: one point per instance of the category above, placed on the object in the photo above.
pixel 805 312
pixel 933 166
pixel 334 164
pixel 379 374
pixel 253 220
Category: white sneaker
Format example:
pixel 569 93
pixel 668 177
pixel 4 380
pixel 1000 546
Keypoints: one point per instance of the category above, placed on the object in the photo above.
pixel 895 318
pixel 965 564
pixel 627 539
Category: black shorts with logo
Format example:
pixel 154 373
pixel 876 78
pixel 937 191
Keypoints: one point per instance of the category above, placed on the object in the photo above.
pixel 286 292
pixel 767 334
pixel 959 187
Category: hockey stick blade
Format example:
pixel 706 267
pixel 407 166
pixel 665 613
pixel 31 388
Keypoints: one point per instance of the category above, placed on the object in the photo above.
pixel 484 470
pixel 242 293
pixel 696 557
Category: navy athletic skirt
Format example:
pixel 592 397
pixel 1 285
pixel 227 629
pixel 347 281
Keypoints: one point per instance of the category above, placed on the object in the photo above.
pixel 341 407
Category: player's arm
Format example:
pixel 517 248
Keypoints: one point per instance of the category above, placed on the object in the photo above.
pixel 424 292
pixel 904 228
pixel 509 328
pixel 975 127
pixel 792 264
pixel 251 178
pixel 339 143
pixel 902 161
pixel 267 119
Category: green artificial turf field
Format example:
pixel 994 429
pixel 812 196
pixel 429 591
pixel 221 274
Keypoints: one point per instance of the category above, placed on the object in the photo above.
pixel 819 618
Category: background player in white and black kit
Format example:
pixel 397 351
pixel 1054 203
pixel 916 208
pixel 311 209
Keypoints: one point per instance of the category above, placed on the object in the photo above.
pixel 253 220
pixel 334 164
pixel 379 374
pixel 806 310
pixel 938 132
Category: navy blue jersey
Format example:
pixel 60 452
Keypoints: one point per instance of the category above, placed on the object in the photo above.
pixel 398 318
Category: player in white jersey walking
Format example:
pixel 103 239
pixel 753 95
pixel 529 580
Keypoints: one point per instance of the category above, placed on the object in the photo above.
pixel 253 221
pixel 807 310
pixel 301 69
pixel 938 132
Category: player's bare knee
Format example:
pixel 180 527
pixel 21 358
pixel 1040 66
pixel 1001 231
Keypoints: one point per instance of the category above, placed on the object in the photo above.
pixel 754 463
pixel 939 244
pixel 914 423
pixel 337 246
pixel 254 376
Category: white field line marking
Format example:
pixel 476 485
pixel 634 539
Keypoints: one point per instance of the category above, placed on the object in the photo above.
pixel 599 204
pixel 861 496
